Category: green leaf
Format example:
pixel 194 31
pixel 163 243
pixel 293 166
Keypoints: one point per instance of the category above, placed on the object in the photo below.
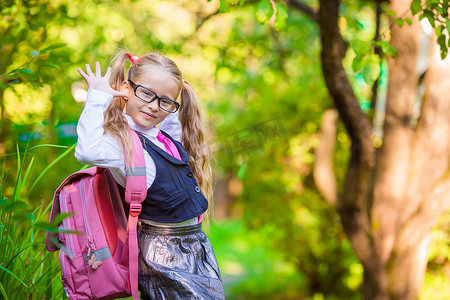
pixel 3 201
pixel 361 47
pixel 36 83
pixel 50 227
pixel 280 17
pixel 25 75
pixel 390 12
pixel 58 45
pixel 445 9
pixel 432 5
pixel 59 217
pixel 51 165
pixel 357 62
pixel 408 20
pixel 46 226
pixel 416 6
pixel 21 217
pixel 69 231
pixel 2 290
pixel 242 171
pixel 399 21
pixel 67 251
pixel 447 25
pixel 387 48
pixel 47 64
pixel 61 246
pixel 371 69
pixel 365 105
pixel 439 30
pixel 264 11
pixel 13 275
pixel 442 41
pixel 430 16
pixel 224 7
pixel 14 206
pixel 49 145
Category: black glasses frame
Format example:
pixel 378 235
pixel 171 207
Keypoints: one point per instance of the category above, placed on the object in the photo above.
pixel 135 86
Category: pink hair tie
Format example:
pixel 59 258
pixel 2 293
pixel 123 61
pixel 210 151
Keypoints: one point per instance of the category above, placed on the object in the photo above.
pixel 133 58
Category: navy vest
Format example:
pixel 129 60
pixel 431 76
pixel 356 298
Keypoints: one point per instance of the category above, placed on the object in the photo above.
pixel 174 195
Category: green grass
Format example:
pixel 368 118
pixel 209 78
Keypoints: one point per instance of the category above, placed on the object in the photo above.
pixel 250 267
pixel 27 269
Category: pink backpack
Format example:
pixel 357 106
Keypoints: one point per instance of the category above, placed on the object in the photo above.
pixel 101 261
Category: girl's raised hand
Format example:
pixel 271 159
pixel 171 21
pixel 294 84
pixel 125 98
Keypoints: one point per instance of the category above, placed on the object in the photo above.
pixel 97 82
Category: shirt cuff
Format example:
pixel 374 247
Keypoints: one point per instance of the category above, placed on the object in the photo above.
pixel 98 98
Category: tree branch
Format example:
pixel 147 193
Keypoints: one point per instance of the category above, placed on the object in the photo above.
pixel 323 163
pixel 353 204
pixel 373 101
pixel 206 18
pixel 309 11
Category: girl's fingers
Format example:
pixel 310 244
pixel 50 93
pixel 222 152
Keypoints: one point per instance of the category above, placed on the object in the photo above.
pixel 88 70
pixel 82 74
pixel 98 69
pixel 108 73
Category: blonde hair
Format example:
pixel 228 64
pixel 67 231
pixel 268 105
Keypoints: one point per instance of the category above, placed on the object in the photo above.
pixel 193 137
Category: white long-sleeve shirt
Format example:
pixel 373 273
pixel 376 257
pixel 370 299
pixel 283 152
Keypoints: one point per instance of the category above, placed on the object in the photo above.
pixel 96 148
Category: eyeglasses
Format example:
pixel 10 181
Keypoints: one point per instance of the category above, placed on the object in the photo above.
pixel 147 95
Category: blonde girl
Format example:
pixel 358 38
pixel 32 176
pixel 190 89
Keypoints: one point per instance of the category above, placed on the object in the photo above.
pixel 176 260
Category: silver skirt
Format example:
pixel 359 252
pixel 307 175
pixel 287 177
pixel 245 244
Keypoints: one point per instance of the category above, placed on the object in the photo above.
pixel 177 263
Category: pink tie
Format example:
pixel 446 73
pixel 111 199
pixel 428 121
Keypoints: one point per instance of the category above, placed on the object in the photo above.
pixel 169 145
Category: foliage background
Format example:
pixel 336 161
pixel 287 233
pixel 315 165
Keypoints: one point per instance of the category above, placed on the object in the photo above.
pixel 263 94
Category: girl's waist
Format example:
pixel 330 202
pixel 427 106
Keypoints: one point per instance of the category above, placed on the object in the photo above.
pixel 174 231
pixel 192 221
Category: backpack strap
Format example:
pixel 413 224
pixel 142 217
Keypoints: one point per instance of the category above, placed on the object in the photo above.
pixel 135 194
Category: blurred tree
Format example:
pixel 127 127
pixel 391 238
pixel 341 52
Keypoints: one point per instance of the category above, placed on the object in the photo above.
pixel 267 109
pixel 393 195
pixel 23 33
pixel 264 93
pixel 42 43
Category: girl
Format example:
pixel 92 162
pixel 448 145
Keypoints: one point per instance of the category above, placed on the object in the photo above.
pixel 176 260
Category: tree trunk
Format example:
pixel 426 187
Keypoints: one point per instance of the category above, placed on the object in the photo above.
pixel 411 165
pixel 323 163
pixel 392 197
pixel 226 192
pixel 353 203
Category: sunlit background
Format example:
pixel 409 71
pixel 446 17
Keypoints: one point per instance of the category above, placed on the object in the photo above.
pixel 263 95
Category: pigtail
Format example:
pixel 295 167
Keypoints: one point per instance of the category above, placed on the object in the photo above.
pixel 193 138
pixel 115 123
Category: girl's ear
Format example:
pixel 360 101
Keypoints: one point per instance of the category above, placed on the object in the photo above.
pixel 125 87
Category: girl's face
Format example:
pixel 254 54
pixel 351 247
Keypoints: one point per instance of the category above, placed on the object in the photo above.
pixel 159 81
